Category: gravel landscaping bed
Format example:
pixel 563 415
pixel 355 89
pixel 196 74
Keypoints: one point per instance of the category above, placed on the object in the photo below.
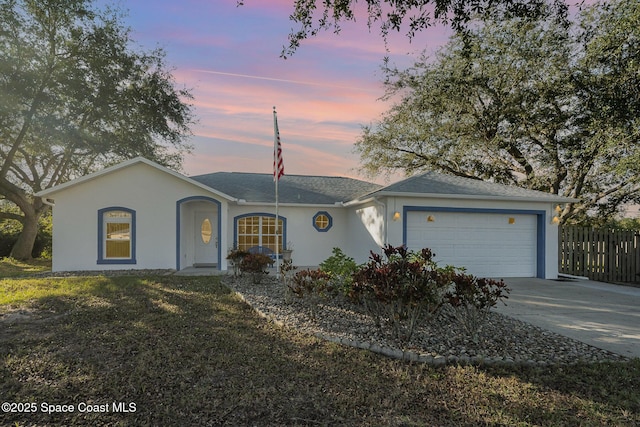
pixel 502 340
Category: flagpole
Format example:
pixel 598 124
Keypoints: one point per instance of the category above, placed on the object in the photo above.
pixel 276 178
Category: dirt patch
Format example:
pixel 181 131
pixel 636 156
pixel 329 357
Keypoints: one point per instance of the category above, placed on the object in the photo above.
pixel 26 315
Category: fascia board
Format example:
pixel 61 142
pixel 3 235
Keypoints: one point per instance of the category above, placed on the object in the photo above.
pixel 125 164
pixel 297 205
pixel 550 199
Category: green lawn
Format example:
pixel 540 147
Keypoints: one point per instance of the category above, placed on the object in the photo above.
pixel 186 351
pixel 10 267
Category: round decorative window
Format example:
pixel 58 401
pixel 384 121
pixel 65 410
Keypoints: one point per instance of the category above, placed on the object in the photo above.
pixel 322 221
pixel 206 231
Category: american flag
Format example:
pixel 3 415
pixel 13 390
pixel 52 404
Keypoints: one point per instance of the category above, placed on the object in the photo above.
pixel 278 163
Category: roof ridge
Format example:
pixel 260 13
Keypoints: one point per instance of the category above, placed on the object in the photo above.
pixel 286 175
pixel 459 186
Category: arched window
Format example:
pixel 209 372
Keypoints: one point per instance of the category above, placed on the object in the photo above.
pixel 260 230
pixel 116 236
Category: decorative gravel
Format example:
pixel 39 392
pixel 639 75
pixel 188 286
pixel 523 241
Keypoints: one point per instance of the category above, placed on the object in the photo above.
pixel 502 340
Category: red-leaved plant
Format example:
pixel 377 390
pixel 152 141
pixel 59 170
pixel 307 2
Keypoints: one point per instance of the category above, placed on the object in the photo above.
pixel 471 298
pixel 256 265
pixel 314 285
pixel 400 289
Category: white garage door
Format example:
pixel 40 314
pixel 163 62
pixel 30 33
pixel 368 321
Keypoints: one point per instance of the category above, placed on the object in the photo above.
pixel 487 244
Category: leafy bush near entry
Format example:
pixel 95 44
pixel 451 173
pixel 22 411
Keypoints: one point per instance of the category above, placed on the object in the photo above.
pixel 256 265
pixel 235 257
pixel 401 289
pixel 340 269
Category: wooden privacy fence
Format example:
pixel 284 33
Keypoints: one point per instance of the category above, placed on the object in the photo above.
pixel 600 254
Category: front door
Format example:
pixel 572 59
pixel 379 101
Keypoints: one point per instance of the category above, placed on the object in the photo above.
pixel 205 239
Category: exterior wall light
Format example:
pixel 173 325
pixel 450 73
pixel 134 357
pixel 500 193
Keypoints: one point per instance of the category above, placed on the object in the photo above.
pixel 430 218
pixel 396 216
pixel 556 216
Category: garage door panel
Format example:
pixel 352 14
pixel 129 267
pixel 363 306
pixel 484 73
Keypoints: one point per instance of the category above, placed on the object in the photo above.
pixel 487 245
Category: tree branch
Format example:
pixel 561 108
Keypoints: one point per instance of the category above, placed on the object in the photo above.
pixel 9 215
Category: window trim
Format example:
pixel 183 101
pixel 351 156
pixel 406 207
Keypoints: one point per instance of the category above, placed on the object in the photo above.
pixel 261 214
pixel 102 237
pixel 329 225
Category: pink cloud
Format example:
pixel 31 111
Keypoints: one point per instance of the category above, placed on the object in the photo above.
pixel 323 94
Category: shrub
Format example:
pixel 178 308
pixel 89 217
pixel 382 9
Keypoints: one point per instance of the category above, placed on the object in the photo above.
pixel 235 256
pixel 286 270
pixel 10 230
pixel 401 289
pixel 313 285
pixel 256 265
pixel 470 299
pixel 340 269
pixel 311 282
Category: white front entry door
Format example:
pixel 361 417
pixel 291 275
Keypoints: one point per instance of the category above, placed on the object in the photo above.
pixel 205 238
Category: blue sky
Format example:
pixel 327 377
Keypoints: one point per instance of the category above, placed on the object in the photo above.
pixel 229 57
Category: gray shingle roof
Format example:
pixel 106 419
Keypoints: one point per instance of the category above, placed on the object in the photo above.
pixel 450 185
pixel 328 190
pixel 256 187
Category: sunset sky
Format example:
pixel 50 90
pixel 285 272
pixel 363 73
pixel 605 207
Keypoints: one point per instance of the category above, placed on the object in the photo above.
pixel 229 57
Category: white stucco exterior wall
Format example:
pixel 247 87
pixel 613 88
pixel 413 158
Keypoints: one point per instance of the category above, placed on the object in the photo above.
pixel 367 230
pixel 153 193
pixel 149 191
pixel 310 246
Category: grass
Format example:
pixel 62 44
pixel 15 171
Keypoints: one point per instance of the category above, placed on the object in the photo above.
pixel 186 351
pixel 10 267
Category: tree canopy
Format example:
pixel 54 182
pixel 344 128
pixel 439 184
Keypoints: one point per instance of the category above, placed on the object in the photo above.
pixel 76 95
pixel 409 16
pixel 531 103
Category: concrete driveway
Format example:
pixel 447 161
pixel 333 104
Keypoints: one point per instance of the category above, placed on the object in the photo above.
pixel 599 314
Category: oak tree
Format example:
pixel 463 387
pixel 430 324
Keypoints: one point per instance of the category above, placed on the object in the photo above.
pixel 408 16
pixel 524 102
pixel 76 94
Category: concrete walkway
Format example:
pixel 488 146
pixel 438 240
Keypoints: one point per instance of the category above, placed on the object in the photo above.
pixel 599 314
pixel 200 271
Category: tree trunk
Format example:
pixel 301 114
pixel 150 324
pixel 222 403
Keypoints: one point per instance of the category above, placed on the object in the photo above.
pixel 24 245
pixel 32 209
